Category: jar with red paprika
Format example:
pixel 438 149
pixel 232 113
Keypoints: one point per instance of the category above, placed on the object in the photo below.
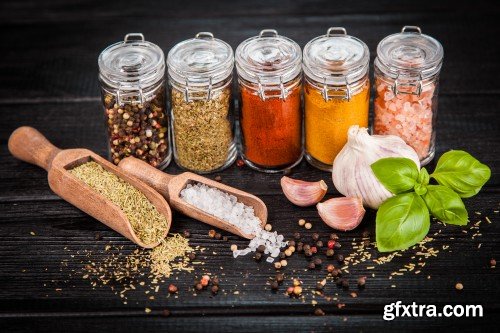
pixel 270 79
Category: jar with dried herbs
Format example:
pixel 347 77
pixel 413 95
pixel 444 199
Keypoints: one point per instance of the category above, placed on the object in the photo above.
pixel 200 76
pixel 336 93
pixel 131 74
pixel 270 80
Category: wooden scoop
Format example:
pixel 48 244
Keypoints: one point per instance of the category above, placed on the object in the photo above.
pixel 29 145
pixel 170 187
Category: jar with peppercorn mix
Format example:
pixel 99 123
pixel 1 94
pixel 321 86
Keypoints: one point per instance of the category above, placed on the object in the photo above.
pixel 336 93
pixel 407 70
pixel 269 75
pixel 200 72
pixel 131 74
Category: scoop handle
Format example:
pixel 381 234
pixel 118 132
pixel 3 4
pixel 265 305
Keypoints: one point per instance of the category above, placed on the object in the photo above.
pixel 29 145
pixel 148 174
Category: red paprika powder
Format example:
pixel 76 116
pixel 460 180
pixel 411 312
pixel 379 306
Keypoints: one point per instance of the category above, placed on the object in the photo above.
pixel 271 128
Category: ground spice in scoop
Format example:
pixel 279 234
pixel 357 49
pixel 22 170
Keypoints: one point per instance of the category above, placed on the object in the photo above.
pixel 148 224
pixel 271 128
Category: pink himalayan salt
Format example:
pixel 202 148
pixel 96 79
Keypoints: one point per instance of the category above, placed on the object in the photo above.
pixel 407 116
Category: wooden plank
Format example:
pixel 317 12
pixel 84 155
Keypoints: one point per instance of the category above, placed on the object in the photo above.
pixel 33 72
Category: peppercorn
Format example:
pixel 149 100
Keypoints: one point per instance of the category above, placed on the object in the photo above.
pixel 300 249
pixel 204 283
pixel 312 265
pixel 361 282
pixel 192 256
pixel 317 262
pixel 315 236
pixel 319 286
pixel 345 284
pixel 291 243
pixel 459 286
pixel 277 265
pixel 186 233
pixel 314 249
pixel 268 227
pixel 365 234
pixel 319 312
pixel 307 247
pixel 340 258
pixel 330 268
pixel 308 253
pixel 215 290
pixel 279 278
pixel 493 262
pixel 258 256
pixel 172 289
pixel 297 290
pixel 302 222
pixel 224 238
pixel 283 263
pixel 211 233
pixel 261 248
pixel 218 236
pixel 338 245
pixel 289 290
pixel 274 285
pixel 336 272
pixel 334 237
pixel 97 236
pixel 331 244
pixel 296 235
pixel 218 178
pixel 234 247
pixel 319 244
pixel 288 252
pixel 199 286
pixel 296 282
pixel 240 163
pixel 215 281
pixel 165 313
pixel 308 225
pixel 292 249
pixel 330 253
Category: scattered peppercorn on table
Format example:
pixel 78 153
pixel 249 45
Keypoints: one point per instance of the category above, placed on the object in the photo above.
pixel 60 270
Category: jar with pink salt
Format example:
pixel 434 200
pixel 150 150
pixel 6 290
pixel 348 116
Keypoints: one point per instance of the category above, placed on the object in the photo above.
pixel 406 81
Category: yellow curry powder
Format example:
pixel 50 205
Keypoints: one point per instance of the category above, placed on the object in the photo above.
pixel 327 122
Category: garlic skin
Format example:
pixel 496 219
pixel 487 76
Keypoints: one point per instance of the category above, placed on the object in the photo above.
pixel 342 213
pixel 302 193
pixel 351 172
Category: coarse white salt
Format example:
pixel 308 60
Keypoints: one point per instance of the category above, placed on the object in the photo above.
pixel 226 207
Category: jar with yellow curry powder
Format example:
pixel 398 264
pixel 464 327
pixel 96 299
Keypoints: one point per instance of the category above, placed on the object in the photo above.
pixel 336 93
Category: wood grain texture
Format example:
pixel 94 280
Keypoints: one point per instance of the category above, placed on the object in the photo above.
pixel 49 80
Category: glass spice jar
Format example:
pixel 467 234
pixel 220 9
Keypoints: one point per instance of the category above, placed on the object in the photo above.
pixel 407 70
pixel 200 77
pixel 131 74
pixel 336 93
pixel 269 76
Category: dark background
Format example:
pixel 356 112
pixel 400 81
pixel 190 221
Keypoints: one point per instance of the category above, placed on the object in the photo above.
pixel 48 79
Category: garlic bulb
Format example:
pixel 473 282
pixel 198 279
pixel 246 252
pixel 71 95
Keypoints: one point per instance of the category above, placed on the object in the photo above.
pixel 351 172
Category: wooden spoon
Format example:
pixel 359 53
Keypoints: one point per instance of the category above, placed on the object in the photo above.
pixel 29 145
pixel 170 187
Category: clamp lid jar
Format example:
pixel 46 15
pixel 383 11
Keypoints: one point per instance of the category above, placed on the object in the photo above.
pixel 131 74
pixel 269 74
pixel 200 75
pixel 336 93
pixel 407 70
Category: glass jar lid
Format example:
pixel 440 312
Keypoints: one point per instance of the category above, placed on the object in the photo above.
pixel 268 59
pixel 409 53
pixel 200 61
pixel 336 58
pixel 133 64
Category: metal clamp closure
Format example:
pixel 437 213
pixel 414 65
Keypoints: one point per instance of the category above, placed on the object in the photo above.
pixel 336 31
pixel 204 35
pixel 406 88
pixel 268 32
pixel 283 91
pixel 126 96
pixel 411 28
pixel 195 93
pixel 133 36
pixel 336 93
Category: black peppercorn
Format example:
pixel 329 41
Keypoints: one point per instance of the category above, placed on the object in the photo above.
pixel 218 236
pixel 334 236
pixel 258 256
pixel 291 243
pixel 274 285
pixel 319 286
pixel 199 286
pixel 307 247
pixel 215 289
pixel 345 284
pixel 361 282
pixel 261 248
pixel 282 255
pixel 336 272
pixel 330 253
pixel 340 258
pixel 186 233
pixel 98 236
pixel 319 244
pixel 337 245
pixel 366 234
pixel 299 249
pixel 191 256
pixel 315 236
pixel 311 265
pixel 224 238
pixel 296 235
pixel 215 281
pixel 317 262
pixel 279 278
pixel 308 253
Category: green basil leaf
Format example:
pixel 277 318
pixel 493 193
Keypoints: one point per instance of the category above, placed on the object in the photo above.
pixel 402 221
pixel 420 189
pixel 461 172
pixel 445 205
pixel 423 177
pixel 397 174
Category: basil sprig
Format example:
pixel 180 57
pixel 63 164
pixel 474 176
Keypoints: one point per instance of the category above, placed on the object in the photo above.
pixel 403 220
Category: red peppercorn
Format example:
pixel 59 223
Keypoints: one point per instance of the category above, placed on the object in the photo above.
pixel 240 163
pixel 331 244
pixel 314 249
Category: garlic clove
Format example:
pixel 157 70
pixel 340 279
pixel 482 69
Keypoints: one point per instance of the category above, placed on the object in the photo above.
pixel 344 213
pixel 302 193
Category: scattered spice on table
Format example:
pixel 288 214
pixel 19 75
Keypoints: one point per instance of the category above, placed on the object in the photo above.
pixel 148 224
pixel 202 130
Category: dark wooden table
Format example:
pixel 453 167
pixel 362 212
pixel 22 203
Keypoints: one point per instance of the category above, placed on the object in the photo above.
pixel 49 80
